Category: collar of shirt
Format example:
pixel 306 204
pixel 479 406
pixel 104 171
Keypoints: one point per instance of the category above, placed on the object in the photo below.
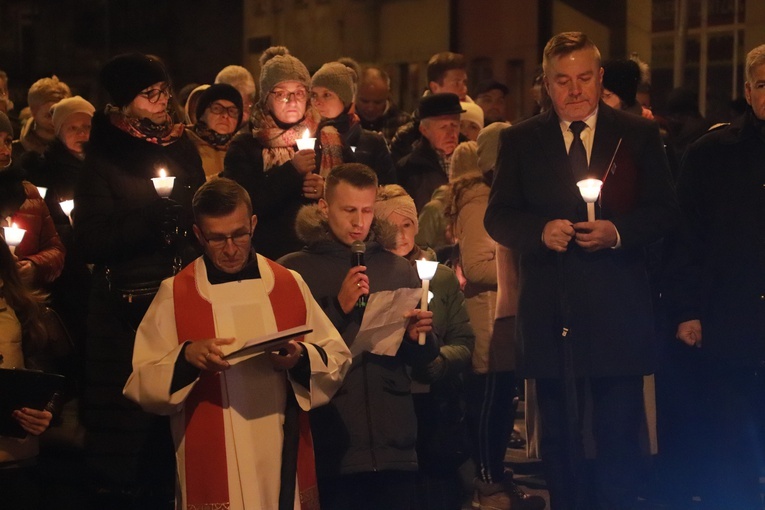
pixel 250 271
pixel 587 136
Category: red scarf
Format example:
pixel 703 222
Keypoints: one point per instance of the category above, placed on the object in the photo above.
pixel 206 466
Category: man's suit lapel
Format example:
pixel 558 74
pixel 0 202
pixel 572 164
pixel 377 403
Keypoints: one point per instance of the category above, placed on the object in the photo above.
pixel 607 135
pixel 550 138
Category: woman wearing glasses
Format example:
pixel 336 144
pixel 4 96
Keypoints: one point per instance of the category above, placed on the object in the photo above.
pixel 219 115
pixel 266 162
pixel 134 239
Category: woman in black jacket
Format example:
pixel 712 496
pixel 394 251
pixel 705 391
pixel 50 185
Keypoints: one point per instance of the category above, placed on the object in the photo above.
pixel 135 239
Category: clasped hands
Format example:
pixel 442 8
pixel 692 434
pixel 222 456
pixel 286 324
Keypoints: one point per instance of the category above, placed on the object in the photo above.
pixel 589 235
pixel 208 355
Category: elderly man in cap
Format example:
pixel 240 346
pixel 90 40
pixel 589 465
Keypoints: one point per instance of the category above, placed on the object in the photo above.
pixel 427 167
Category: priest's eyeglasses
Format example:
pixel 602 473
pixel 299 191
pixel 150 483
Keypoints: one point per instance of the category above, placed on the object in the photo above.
pixel 218 241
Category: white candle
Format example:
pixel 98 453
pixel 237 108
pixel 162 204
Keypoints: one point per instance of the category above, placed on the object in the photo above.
pixel 43 190
pixel 163 184
pixel 426 269
pixel 305 142
pixel 590 190
pixel 13 236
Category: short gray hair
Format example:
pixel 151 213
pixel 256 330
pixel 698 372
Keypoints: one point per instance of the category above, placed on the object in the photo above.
pixel 754 58
pixel 238 77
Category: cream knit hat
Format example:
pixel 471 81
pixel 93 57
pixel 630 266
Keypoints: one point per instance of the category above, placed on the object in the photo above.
pixel 66 107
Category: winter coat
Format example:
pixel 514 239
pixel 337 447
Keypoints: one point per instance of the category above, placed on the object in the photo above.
pixel 372 151
pixel 277 195
pixel 41 244
pixel 603 298
pixel 370 424
pixel 716 273
pixel 118 227
pixel 420 173
pixel 212 156
pixel 388 123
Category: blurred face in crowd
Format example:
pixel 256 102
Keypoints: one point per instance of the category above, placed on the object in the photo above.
pixel 492 103
pixel 151 103
pixel 43 117
pixel 349 211
pixel 454 82
pixel 469 130
pixel 75 131
pixel 754 90
pixel 5 149
pixel 227 239
pixel 611 99
pixel 574 84
pixel 326 102
pixel 442 132
pixel 221 116
pixel 287 101
pixel 372 99
pixel 407 230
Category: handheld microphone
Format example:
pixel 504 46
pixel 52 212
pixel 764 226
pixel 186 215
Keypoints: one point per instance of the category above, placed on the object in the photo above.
pixel 357 259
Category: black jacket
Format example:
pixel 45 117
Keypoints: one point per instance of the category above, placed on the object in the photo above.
pixel 370 423
pixel 717 271
pixel 420 173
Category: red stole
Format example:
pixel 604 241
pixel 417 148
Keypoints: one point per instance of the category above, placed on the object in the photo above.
pixel 205 444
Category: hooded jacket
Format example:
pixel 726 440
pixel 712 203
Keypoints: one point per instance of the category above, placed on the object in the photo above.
pixel 370 424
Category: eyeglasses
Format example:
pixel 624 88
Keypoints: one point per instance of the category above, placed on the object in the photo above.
pixel 219 109
pixel 284 96
pixel 152 95
pixel 219 241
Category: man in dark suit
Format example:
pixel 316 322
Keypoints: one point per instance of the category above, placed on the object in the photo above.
pixel 584 301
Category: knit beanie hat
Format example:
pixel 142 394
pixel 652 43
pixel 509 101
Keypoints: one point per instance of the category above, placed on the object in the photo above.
pixel 622 78
pixel 473 113
pixel 339 78
pixel 488 145
pixel 393 198
pixel 47 90
pixel 126 75
pixel 66 107
pixel 464 161
pixel 219 91
pixel 276 66
pixel 5 124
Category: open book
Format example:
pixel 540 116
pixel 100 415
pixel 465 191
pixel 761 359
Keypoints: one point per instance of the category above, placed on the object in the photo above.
pixel 269 342
pixel 26 388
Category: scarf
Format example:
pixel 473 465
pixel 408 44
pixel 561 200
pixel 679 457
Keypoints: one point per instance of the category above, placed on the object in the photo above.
pixel 278 141
pixel 330 131
pixel 144 129
pixel 215 139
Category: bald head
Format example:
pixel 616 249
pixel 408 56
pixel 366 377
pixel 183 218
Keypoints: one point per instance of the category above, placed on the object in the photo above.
pixel 373 94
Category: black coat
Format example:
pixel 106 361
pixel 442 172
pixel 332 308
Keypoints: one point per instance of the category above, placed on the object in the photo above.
pixel 372 151
pixel 420 173
pixel 717 271
pixel 606 293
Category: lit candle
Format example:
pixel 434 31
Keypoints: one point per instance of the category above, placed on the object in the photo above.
pixel 43 190
pixel 305 142
pixel 163 184
pixel 13 236
pixel 590 190
pixel 67 206
pixel 427 270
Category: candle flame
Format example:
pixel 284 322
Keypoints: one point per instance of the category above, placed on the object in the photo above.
pixel 162 173
pixel 14 225
pixel 306 134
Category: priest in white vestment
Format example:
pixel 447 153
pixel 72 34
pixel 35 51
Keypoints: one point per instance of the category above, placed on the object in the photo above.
pixel 239 423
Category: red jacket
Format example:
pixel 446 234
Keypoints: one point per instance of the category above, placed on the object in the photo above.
pixel 41 243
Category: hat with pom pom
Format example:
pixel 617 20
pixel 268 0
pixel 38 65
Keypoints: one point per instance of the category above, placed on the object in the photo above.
pixel 276 66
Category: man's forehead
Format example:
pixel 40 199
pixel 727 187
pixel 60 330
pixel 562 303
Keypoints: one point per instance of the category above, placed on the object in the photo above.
pixel 345 193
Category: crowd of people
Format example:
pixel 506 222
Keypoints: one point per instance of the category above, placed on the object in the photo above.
pixel 227 275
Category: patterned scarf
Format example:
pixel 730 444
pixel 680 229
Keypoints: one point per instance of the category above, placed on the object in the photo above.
pixel 217 140
pixel 331 140
pixel 160 134
pixel 279 142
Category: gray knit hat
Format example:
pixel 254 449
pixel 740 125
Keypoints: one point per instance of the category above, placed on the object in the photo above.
pixel 339 78
pixel 276 66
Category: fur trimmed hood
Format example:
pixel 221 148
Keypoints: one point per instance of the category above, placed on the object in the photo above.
pixel 311 228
